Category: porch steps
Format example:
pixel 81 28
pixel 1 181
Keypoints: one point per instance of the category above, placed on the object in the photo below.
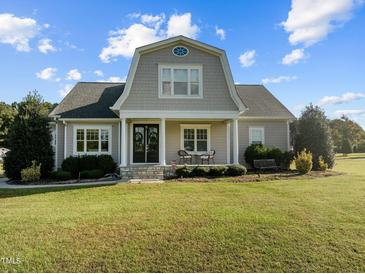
pixel 143 172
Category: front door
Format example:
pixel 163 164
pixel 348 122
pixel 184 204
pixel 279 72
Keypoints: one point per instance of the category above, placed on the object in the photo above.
pixel 145 143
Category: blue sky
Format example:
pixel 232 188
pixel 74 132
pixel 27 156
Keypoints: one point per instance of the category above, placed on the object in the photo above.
pixel 303 51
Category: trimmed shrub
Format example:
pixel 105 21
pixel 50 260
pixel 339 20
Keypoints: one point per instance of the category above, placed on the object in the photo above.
pixel 76 164
pixel 61 175
pixel 106 164
pixel 71 164
pixel 217 171
pixel 199 171
pixel 276 154
pixel 32 173
pixel 182 172
pixel 303 161
pixel 255 152
pixel 91 174
pixel 236 170
pixel 322 164
pixel 88 162
pixel 286 159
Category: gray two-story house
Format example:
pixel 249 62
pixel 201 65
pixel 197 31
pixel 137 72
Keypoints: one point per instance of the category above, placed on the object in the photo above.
pixel 179 95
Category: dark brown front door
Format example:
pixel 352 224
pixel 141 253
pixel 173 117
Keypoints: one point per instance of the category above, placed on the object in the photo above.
pixel 145 143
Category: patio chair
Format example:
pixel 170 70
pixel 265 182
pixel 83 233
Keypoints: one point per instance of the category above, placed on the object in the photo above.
pixel 208 157
pixel 185 157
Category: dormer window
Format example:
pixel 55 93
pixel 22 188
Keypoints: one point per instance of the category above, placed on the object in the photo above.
pixel 180 81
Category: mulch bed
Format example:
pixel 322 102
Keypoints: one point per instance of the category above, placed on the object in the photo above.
pixel 253 177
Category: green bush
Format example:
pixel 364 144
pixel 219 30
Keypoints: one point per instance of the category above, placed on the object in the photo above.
pixel 217 171
pixel 106 164
pixel 303 161
pixel 276 154
pixel 182 172
pixel 199 171
pixel 286 159
pixel 91 174
pixel 61 175
pixel 236 170
pixel 255 152
pixel 322 164
pixel 32 173
pixel 76 164
pixel 71 164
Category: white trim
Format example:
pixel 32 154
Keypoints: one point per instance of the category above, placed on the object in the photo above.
pixel 235 142
pixel 65 141
pixel 85 127
pixel 195 127
pixel 262 129
pixel 288 134
pixel 180 46
pixel 265 118
pixel 228 146
pixel 157 45
pixel 162 142
pixel 123 147
pixel 119 144
pixel 173 114
pixel 56 149
pixel 172 67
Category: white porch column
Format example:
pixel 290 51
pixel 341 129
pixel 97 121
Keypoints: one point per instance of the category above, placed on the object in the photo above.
pixel 65 141
pixel 235 141
pixel 162 138
pixel 228 124
pixel 123 147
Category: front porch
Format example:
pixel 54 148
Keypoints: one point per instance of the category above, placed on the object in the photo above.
pixel 156 142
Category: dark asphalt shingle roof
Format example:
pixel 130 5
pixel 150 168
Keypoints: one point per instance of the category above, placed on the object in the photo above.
pixel 94 99
pixel 261 103
pixel 90 100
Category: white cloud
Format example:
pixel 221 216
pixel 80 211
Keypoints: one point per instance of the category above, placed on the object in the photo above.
pixel 65 90
pixel 46 74
pixel 17 31
pixel 114 79
pixel 123 42
pixel 182 25
pixel 344 98
pixel 294 57
pixel 46 26
pixel 277 80
pixel 310 21
pixel 247 59
pixel 99 73
pixel 45 46
pixel 74 74
pixel 221 33
pixel 349 112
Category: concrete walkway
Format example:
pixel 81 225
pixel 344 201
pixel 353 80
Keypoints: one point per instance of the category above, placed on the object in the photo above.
pixel 4 185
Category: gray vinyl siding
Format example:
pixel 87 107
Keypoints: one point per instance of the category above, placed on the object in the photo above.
pixel 218 139
pixel 276 135
pixel 69 143
pixel 144 90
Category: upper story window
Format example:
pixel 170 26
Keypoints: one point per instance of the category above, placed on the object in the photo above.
pixel 181 81
pixel 180 51
pixel 257 135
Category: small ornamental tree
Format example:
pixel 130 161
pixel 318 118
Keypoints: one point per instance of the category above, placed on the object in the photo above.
pixel 346 147
pixel 29 138
pixel 313 133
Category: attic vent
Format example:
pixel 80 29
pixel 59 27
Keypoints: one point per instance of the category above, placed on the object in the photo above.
pixel 180 51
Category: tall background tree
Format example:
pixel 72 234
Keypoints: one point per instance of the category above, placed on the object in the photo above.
pixel 312 132
pixel 7 113
pixel 29 137
pixel 344 132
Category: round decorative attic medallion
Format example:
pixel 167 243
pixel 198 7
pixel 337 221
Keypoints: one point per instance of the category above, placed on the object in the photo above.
pixel 180 51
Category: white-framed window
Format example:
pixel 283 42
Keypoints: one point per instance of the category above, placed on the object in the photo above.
pixel 195 138
pixel 92 139
pixel 257 135
pixel 180 81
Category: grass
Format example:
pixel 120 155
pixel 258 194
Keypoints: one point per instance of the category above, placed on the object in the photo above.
pixel 350 156
pixel 314 225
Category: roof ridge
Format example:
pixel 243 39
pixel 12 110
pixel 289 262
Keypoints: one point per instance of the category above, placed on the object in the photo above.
pixel 100 82
pixel 249 85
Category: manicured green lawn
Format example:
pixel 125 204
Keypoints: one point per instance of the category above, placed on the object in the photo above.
pixel 289 226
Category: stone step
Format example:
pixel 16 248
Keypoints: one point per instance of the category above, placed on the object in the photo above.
pixel 140 172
